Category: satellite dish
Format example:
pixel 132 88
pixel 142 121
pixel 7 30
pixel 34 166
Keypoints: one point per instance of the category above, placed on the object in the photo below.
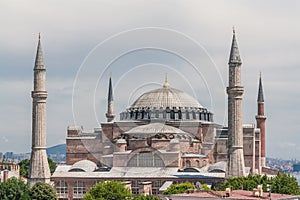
pixel 199 186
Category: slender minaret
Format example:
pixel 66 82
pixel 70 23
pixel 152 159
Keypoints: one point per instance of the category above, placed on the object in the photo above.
pixel 110 103
pixel 236 165
pixel 39 167
pixel 261 121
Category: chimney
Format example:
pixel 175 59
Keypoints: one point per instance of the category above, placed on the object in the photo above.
pixel 5 175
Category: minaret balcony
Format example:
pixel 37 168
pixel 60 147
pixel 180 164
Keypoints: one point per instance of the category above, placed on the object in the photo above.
pixel 39 94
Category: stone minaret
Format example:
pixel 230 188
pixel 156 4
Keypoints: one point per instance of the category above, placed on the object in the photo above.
pixel 110 103
pixel 236 165
pixel 39 167
pixel 261 121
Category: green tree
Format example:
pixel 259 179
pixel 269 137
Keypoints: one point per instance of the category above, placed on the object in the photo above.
pixel 108 190
pixel 42 191
pixel 52 165
pixel 282 183
pixel 14 189
pixel 25 164
pixel 24 167
pixel 179 188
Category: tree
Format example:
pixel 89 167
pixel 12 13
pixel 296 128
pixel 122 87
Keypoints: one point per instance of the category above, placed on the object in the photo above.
pixel 179 188
pixel 52 165
pixel 282 183
pixel 24 167
pixel 108 190
pixel 14 189
pixel 42 191
pixel 25 164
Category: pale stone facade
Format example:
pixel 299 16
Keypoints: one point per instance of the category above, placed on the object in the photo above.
pixel 235 90
pixel 39 167
pixel 164 136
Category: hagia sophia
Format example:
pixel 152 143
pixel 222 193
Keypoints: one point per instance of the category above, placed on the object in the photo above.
pixel 166 136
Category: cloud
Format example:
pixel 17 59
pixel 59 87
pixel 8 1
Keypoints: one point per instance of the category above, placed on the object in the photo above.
pixel 268 38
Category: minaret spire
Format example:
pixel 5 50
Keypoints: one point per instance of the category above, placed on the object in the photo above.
pixel 39 167
pixel 235 90
pixel 234 57
pixel 110 102
pixel 261 121
pixel 260 96
pixel 39 59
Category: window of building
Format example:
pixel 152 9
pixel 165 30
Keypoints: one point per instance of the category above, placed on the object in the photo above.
pixel 172 116
pixel 187 115
pixel 79 189
pixel 179 114
pixel 194 115
pixel 146 159
pixel 62 189
pixel 197 163
pixel 157 114
pixel 187 163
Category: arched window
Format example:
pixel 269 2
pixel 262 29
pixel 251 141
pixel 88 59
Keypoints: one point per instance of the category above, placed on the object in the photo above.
pixel 204 162
pixel 187 115
pixel 143 114
pixel 157 114
pixel 172 116
pixel 179 114
pixel 62 189
pixel 194 115
pixel 164 114
pixel 187 163
pixel 146 159
pixel 131 114
pixel 197 163
pixel 136 114
pixel 79 189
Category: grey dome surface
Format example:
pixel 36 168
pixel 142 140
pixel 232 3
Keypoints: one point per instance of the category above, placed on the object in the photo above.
pixel 166 104
pixel 84 165
pixel 165 97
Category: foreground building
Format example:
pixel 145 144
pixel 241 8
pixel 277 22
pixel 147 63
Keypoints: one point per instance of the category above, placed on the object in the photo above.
pixel 166 136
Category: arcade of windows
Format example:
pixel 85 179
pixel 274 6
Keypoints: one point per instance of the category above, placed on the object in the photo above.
pixel 169 114
pixel 62 189
pixel 79 189
pixel 146 159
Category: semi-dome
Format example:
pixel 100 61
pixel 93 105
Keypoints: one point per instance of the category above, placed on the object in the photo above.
pixel 166 103
pixel 158 129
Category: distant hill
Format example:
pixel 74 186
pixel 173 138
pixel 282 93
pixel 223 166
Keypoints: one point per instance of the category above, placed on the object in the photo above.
pixel 57 149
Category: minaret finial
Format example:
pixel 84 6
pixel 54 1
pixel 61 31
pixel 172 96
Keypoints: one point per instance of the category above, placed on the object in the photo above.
pixel 233 30
pixel 39 59
pixel 234 58
pixel 166 84
pixel 260 96
pixel 110 102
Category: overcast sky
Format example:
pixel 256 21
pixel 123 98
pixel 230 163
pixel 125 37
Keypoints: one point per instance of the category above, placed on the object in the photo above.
pixel 139 41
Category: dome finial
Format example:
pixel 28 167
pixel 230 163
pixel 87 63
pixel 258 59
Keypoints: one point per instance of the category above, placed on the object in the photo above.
pixel 166 84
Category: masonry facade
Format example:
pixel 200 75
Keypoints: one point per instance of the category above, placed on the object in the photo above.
pixel 166 136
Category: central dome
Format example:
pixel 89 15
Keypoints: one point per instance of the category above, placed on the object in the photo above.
pixel 166 103
pixel 164 98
